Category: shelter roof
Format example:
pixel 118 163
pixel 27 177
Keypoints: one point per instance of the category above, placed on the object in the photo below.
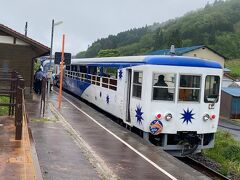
pixel 42 49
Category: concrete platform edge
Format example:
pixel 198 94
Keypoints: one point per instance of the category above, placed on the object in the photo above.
pixel 37 168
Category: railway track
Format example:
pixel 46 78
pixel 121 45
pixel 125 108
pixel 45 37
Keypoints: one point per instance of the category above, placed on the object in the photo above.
pixel 203 168
pixel 187 160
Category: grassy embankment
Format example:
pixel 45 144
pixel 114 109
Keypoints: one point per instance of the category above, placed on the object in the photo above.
pixel 3 109
pixel 234 66
pixel 226 152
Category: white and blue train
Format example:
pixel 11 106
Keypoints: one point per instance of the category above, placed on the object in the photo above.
pixel 172 101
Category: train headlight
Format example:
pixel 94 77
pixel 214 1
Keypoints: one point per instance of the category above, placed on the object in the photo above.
pixel 158 115
pixel 168 116
pixel 206 117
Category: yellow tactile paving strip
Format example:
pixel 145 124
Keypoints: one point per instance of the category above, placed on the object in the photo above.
pixel 16 160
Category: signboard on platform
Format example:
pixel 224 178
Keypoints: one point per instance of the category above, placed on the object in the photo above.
pixel 58 56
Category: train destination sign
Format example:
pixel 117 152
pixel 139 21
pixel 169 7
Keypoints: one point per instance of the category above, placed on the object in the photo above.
pixel 58 56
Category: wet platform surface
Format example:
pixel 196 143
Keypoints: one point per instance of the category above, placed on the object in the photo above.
pixel 63 139
pixel 16 161
pixel 59 156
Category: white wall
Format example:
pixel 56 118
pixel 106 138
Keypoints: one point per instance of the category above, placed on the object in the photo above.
pixel 10 40
pixel 206 53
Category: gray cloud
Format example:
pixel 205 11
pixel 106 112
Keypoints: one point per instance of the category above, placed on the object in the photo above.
pixel 86 21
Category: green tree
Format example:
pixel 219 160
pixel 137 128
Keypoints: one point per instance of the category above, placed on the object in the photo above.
pixel 158 39
pixel 108 53
pixel 175 39
pixel 81 54
pixel 217 25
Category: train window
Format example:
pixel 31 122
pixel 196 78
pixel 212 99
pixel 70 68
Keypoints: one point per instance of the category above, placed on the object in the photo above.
pixel 189 89
pixel 67 67
pixel 93 70
pixel 78 68
pixel 109 79
pixel 73 68
pixel 137 84
pixel 109 72
pixel 163 86
pixel 83 69
pixel 211 92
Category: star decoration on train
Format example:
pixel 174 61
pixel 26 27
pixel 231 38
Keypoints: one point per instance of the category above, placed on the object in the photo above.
pixel 120 73
pixel 187 116
pixel 139 114
pixel 107 99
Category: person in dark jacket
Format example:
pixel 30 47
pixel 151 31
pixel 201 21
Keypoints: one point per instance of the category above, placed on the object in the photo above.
pixel 38 77
pixel 160 93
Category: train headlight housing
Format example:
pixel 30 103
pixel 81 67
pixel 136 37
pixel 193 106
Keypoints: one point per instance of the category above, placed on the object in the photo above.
pixel 206 117
pixel 168 116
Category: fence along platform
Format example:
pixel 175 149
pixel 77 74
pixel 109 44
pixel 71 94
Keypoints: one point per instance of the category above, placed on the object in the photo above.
pixel 18 155
pixel 12 86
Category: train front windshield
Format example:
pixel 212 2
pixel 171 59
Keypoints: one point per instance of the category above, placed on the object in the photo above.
pixel 211 92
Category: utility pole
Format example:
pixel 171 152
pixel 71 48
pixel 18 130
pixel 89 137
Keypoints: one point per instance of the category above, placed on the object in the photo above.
pixel 50 70
pixel 51 44
pixel 26 28
pixel 50 66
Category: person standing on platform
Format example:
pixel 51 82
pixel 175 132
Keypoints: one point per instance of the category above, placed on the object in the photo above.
pixel 39 75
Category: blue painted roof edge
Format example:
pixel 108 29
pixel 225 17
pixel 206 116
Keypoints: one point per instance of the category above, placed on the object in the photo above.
pixel 162 60
pixel 234 91
pixel 182 61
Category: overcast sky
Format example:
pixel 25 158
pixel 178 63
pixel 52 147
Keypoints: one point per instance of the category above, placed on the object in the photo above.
pixel 86 21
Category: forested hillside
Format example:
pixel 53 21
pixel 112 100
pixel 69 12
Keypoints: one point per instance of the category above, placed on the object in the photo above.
pixel 217 25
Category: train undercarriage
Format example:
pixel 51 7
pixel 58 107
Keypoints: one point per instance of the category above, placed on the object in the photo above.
pixel 183 143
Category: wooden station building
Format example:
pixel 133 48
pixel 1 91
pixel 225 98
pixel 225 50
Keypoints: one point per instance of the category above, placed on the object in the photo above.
pixel 18 52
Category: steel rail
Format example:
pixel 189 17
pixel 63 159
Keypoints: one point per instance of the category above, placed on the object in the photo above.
pixel 203 168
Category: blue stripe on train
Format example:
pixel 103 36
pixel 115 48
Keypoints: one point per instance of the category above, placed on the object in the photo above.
pixel 75 85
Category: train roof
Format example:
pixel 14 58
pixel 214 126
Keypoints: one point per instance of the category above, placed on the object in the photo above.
pixel 128 61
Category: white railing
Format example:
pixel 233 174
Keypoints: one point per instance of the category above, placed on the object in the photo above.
pixel 106 82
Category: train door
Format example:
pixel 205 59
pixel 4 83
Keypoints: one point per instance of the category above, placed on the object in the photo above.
pixel 129 85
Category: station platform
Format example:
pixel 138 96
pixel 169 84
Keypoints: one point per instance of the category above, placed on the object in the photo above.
pixel 16 156
pixel 78 142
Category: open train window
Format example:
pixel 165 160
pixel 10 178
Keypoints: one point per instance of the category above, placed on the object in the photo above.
pixel 189 89
pixel 109 72
pixel 74 68
pixel 92 70
pixel 211 91
pixel 68 68
pixel 83 69
pixel 109 77
pixel 137 84
pixel 163 86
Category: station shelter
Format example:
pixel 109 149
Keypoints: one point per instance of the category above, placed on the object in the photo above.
pixel 18 52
